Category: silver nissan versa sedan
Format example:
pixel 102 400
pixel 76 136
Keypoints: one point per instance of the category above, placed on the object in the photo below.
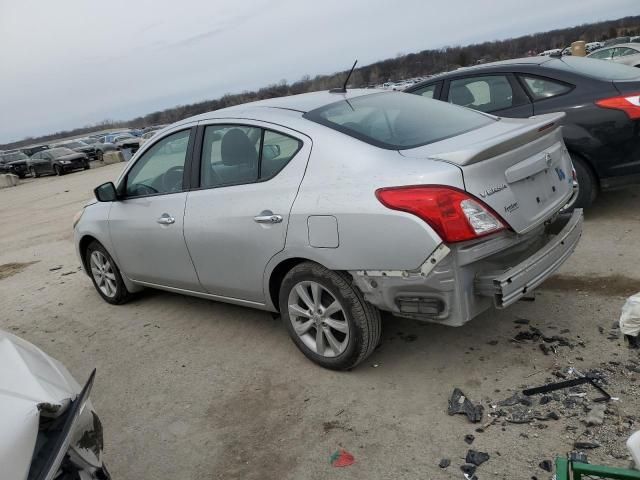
pixel 329 207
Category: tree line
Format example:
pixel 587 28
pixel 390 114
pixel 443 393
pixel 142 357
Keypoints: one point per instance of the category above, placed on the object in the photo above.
pixel 426 62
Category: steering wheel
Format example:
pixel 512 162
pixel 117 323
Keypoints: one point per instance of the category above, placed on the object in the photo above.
pixel 172 179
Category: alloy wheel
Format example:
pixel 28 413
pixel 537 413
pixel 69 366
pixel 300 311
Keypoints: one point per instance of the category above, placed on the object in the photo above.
pixel 318 319
pixel 103 274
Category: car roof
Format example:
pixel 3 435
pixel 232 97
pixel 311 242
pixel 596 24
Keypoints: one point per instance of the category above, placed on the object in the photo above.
pixel 301 103
pixel 618 45
pixel 537 60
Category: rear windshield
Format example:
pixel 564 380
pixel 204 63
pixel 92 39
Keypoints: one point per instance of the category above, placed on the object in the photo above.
pixel 594 68
pixel 397 121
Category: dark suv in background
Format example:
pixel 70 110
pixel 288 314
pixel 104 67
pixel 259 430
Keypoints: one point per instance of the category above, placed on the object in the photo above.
pixel 14 162
pixel 601 99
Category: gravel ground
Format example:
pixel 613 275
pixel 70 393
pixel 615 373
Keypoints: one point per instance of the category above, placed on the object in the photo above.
pixel 192 389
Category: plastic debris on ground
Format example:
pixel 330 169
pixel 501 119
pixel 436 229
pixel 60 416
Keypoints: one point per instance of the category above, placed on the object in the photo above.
pixel 476 458
pixel 460 404
pixel 630 320
pixel 341 458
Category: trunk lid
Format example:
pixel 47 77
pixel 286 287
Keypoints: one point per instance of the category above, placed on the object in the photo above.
pixel 518 167
pixel 627 86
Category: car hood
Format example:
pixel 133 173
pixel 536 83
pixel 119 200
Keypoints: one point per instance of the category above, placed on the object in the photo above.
pixel 30 381
pixel 18 162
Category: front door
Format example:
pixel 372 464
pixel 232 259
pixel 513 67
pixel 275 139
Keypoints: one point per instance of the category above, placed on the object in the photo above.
pixel 237 221
pixel 146 225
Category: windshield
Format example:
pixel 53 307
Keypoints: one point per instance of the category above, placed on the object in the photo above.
pixel 594 68
pixel 11 157
pixel 60 152
pixel 396 120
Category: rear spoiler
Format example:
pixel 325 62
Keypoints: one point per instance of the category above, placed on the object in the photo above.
pixel 524 131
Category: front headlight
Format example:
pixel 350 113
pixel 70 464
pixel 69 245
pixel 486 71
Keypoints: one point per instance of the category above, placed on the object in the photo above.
pixel 77 217
pixel 65 162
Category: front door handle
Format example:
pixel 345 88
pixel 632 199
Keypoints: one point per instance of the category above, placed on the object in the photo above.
pixel 268 217
pixel 166 219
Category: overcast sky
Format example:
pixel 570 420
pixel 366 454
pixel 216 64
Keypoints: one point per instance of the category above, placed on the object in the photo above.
pixel 69 63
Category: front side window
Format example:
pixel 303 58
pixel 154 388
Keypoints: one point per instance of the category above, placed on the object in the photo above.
pixel 238 154
pixel 427 92
pixel 395 120
pixel 487 94
pixel 161 168
pixel 541 88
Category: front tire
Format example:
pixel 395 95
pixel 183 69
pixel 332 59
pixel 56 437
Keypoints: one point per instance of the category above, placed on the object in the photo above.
pixel 587 183
pixel 105 275
pixel 58 170
pixel 327 317
pixel 34 172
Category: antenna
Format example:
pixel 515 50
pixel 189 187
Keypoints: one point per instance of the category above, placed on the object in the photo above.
pixel 346 80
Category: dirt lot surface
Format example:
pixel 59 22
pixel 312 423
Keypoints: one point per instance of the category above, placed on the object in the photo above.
pixel 192 389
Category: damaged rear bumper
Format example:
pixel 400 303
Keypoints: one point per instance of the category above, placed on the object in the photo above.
pixel 508 286
pixel 458 282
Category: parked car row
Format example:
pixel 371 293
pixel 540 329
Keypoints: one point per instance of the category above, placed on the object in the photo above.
pixel 62 157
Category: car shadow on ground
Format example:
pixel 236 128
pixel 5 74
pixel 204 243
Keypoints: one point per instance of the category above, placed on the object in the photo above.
pixel 619 204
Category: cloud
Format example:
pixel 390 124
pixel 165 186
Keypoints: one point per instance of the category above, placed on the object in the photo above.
pixel 72 63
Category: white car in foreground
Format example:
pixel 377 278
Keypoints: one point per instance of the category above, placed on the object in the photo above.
pixel 49 428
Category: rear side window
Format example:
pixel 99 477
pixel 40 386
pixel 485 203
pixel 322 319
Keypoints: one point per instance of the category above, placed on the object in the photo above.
pixel 277 150
pixel 595 68
pixel 487 94
pixel 396 120
pixel 604 54
pixel 624 51
pixel 541 88
pixel 238 154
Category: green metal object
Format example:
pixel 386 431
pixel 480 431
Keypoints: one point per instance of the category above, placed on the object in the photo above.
pixel 569 470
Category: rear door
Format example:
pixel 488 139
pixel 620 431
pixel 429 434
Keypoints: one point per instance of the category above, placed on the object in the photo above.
pixel 237 220
pixel 495 93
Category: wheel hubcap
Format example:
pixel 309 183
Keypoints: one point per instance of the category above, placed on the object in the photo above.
pixel 103 274
pixel 318 319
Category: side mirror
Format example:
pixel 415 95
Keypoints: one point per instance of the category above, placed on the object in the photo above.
pixel 106 192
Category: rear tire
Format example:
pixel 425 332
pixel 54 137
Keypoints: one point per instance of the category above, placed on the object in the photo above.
pixel 99 156
pixel 340 328
pixel 105 275
pixel 587 183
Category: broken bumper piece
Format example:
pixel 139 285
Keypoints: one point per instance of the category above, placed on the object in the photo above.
pixel 508 286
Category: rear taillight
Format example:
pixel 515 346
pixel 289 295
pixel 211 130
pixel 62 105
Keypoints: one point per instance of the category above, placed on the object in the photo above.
pixel 629 104
pixel 454 214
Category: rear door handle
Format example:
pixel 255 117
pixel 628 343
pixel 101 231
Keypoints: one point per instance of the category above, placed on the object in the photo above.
pixel 268 217
pixel 166 219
